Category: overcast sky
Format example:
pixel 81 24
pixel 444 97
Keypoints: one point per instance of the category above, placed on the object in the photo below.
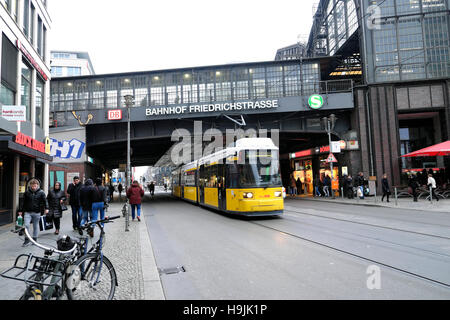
pixel 144 35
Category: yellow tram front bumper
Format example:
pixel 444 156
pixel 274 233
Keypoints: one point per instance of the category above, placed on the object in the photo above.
pixel 262 200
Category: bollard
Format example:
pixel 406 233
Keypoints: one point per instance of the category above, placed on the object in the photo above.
pixel 431 194
pixel 375 194
pixel 396 202
pixel 342 193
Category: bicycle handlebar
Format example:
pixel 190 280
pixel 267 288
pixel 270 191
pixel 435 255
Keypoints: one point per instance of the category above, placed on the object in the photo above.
pixel 53 250
pixel 106 220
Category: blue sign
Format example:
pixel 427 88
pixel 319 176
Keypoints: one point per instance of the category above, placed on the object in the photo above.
pixel 67 149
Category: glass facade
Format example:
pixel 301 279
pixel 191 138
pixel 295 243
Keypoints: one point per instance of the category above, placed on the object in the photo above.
pixel 341 23
pixel 26 89
pixel 6 95
pixel 39 101
pixel 201 85
pixel 411 41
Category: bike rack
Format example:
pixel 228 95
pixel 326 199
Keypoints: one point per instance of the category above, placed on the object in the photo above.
pixel 36 266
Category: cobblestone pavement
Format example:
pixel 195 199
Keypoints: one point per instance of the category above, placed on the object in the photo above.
pixel 130 252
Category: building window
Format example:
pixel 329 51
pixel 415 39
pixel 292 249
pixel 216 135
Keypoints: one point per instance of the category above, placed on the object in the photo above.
pixel 11 7
pixel 6 95
pixel 39 37
pixel 73 71
pixel 32 25
pixel 26 89
pixel 26 17
pixel 57 71
pixel 39 100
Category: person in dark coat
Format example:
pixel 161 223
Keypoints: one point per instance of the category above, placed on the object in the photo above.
pixel 316 184
pixel 385 187
pixel 34 204
pixel 344 185
pixel 151 188
pixel 120 189
pixel 359 182
pixel 99 200
pixel 135 194
pixel 350 187
pixel 86 200
pixel 327 185
pixel 74 193
pixel 413 184
pixel 299 186
pixel 111 192
pixel 56 197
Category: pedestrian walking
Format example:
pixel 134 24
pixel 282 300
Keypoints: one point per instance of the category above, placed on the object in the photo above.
pixel 350 192
pixel 56 197
pixel 111 192
pixel 316 184
pixel 327 185
pixel 344 185
pixel 151 189
pixel 293 186
pixel 120 189
pixel 99 200
pixel 385 187
pixel 135 194
pixel 34 204
pixel 432 184
pixel 299 185
pixel 360 181
pixel 86 200
pixel 74 200
pixel 413 184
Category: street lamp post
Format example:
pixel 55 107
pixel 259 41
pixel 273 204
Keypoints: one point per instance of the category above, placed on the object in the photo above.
pixel 329 123
pixel 129 101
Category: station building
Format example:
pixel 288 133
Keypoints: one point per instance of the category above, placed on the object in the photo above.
pixel 397 53
pixel 380 67
pixel 25 81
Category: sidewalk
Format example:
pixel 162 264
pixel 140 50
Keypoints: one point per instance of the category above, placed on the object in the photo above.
pixel 443 205
pixel 131 253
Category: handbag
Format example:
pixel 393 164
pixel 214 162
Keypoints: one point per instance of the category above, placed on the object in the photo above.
pixel 63 207
pixel 45 223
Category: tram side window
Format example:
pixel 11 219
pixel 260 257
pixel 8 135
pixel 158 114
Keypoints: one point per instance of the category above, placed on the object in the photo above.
pixel 190 178
pixel 204 176
pixel 232 175
pixel 175 179
pixel 212 182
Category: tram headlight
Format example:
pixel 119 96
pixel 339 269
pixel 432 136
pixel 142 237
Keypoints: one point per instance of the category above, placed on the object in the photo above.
pixel 278 193
pixel 248 195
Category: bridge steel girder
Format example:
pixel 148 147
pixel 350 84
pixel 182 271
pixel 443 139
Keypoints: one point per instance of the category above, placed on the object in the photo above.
pixel 151 139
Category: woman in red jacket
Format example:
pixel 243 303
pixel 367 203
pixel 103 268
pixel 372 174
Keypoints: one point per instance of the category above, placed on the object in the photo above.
pixel 135 194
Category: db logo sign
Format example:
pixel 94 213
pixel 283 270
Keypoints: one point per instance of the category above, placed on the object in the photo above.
pixel 115 115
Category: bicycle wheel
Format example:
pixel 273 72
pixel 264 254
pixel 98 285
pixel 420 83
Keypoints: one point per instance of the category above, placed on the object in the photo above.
pixel 89 279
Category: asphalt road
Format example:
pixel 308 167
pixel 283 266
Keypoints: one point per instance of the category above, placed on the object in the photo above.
pixel 314 251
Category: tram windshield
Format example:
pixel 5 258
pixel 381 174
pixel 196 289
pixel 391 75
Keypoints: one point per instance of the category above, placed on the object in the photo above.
pixel 261 169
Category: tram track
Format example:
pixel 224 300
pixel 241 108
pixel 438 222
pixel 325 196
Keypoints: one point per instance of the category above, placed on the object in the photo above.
pixel 347 252
pixel 370 224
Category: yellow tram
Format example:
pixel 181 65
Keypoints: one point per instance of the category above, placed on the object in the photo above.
pixel 244 179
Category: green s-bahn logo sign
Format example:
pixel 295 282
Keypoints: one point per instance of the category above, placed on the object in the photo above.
pixel 315 101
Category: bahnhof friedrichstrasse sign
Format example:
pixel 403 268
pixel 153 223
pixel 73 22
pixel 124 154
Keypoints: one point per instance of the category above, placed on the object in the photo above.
pixel 218 107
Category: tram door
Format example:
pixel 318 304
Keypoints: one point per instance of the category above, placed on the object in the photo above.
pixel 221 185
pixel 201 184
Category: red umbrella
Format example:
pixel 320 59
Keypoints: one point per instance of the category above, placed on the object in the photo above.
pixel 441 149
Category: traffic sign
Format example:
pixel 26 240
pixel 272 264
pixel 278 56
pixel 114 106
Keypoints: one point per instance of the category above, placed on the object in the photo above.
pixel 331 158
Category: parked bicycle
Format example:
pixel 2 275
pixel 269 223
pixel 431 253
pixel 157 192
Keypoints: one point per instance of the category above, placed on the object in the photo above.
pixel 79 273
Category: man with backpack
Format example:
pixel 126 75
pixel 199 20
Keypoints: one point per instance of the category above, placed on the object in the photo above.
pixel 74 192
